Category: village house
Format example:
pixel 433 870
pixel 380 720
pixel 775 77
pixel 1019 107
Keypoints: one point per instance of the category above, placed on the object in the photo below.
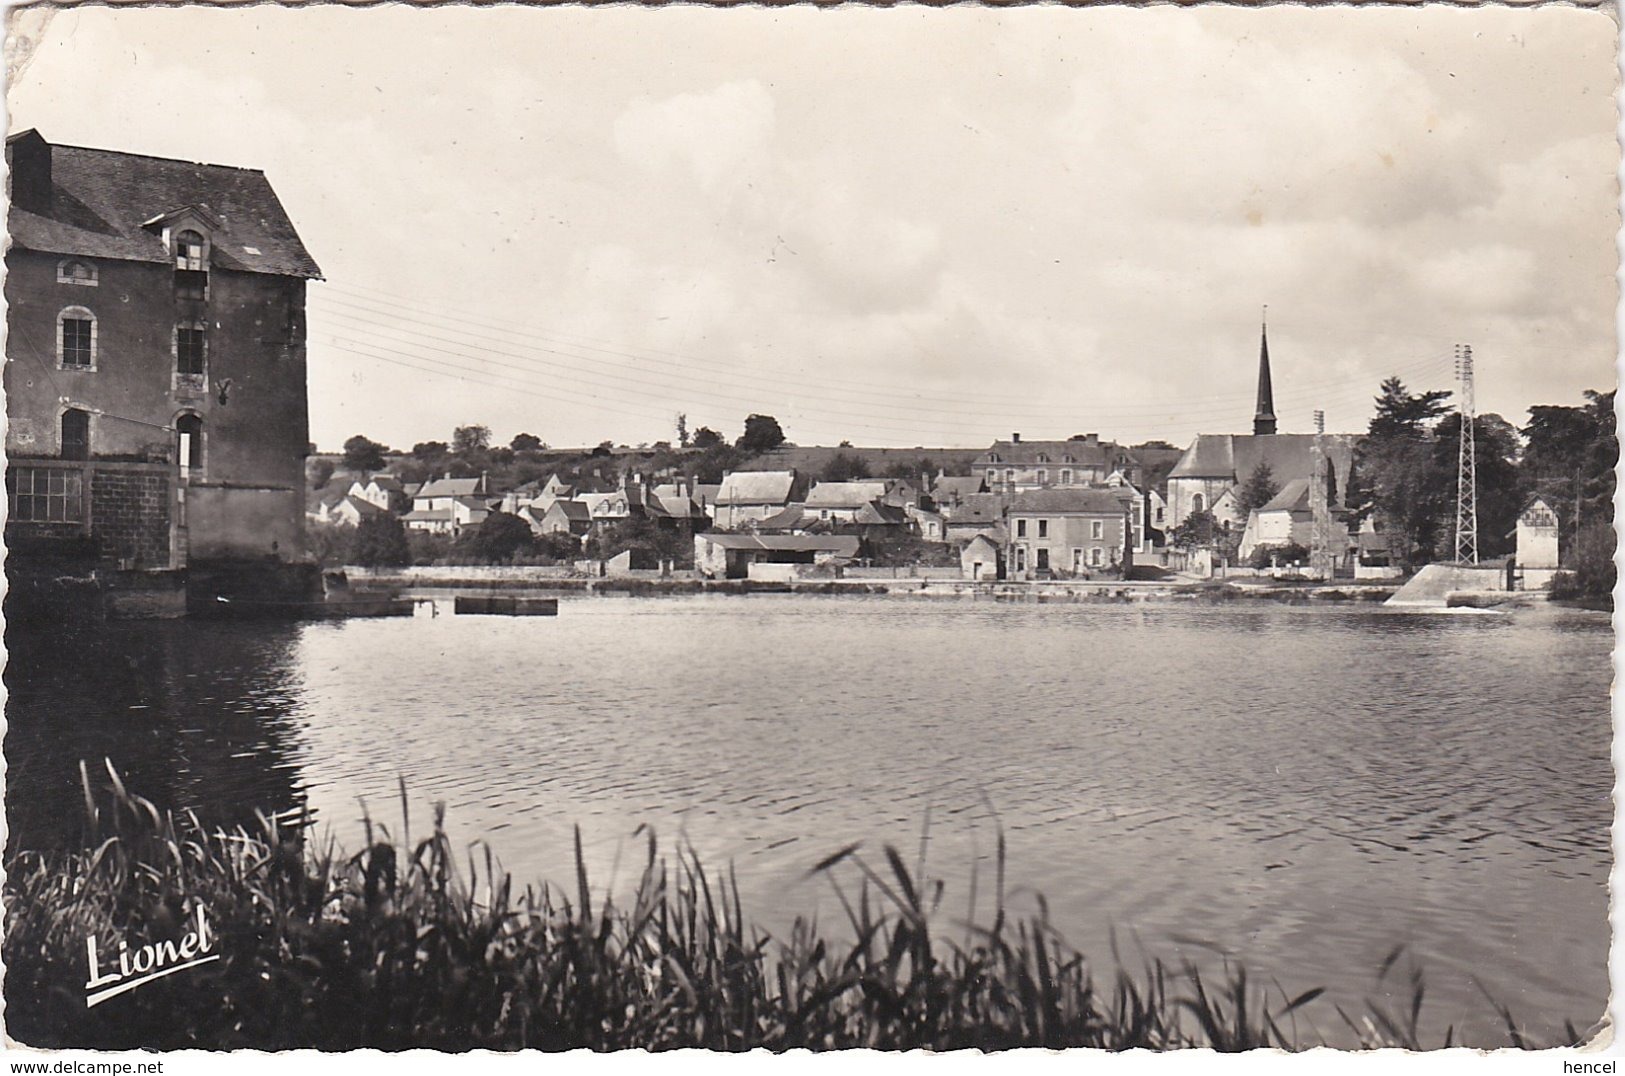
pixel 674 506
pixel 1016 465
pixel 1286 519
pixel 382 491
pixel 559 517
pixel 982 558
pixel 1065 532
pixel 350 511
pixel 155 377
pixel 606 509
pixel 729 556
pixel 447 505
pixel 948 490
pixel 749 496
pixel 1536 536
pixel 792 520
pixel 977 513
pixel 843 502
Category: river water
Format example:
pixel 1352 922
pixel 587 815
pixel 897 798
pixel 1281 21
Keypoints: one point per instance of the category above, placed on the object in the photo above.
pixel 1303 788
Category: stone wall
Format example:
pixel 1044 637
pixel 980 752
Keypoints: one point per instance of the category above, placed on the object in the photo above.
pixel 130 515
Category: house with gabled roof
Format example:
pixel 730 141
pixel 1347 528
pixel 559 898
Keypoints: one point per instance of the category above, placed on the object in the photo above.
pixel 976 513
pixel 1016 465
pixel 748 496
pixel 1068 532
pixel 155 379
pixel 382 491
pixel 559 517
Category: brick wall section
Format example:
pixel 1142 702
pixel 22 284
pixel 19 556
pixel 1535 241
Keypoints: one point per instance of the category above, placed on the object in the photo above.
pixel 129 512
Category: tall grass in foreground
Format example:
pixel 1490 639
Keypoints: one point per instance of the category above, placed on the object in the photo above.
pixel 401 945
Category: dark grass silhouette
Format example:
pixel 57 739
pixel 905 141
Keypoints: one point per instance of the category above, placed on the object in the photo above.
pixel 401 946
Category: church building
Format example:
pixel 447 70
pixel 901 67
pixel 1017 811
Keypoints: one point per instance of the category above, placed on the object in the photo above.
pixel 1209 475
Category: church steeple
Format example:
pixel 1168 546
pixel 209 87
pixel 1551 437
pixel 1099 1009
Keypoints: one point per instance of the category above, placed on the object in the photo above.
pixel 1264 415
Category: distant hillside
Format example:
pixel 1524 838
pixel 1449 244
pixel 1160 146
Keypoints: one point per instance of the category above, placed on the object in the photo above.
pixel 812 459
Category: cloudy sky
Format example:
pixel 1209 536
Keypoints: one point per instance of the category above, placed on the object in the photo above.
pixel 904 227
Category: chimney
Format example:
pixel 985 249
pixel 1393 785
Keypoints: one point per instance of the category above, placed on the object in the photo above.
pixel 1015 438
pixel 28 156
pixel 1091 438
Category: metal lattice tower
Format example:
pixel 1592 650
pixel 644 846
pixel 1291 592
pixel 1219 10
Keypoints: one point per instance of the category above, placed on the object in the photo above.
pixel 1466 464
pixel 1322 555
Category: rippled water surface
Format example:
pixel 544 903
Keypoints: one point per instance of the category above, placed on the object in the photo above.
pixel 1303 787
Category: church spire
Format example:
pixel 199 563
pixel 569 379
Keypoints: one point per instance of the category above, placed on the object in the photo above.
pixel 1264 415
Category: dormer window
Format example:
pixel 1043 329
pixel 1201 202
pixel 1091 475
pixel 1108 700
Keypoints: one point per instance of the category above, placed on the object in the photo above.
pixel 1043 457
pixel 189 251
pixel 993 457
pixel 74 271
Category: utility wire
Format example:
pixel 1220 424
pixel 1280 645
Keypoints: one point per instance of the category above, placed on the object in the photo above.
pixel 844 412
pixel 868 391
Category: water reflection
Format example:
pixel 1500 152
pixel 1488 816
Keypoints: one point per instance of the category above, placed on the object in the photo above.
pixel 1306 787
pixel 194 718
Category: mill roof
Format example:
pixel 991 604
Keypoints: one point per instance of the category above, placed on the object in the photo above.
pixel 103 201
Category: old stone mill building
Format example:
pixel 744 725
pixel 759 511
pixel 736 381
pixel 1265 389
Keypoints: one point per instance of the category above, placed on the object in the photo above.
pixel 156 405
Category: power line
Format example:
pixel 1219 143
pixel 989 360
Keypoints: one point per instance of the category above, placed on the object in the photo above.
pixel 688 364
pixel 808 406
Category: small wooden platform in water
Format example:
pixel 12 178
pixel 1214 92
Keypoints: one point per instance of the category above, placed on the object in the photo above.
pixel 504 605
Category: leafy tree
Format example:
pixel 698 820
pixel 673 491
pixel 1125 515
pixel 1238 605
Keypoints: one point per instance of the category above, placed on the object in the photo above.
pixel 706 437
pixel 1402 414
pixel 1265 556
pixel 525 442
pixel 1259 489
pixel 844 468
pixel 1198 529
pixel 912 469
pixel 682 429
pixel 641 532
pixel 363 454
pixel 1501 490
pixel 1591 578
pixel 1406 485
pixel 318 472
pixel 466 439
pixel 430 450
pixel 1569 460
pixel 557 548
pixel 330 546
pixel 495 541
pixel 714 462
pixel 762 434
pixel 1158 444
pixel 380 542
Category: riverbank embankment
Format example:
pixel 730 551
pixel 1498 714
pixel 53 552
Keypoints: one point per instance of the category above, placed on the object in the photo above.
pixel 429 581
